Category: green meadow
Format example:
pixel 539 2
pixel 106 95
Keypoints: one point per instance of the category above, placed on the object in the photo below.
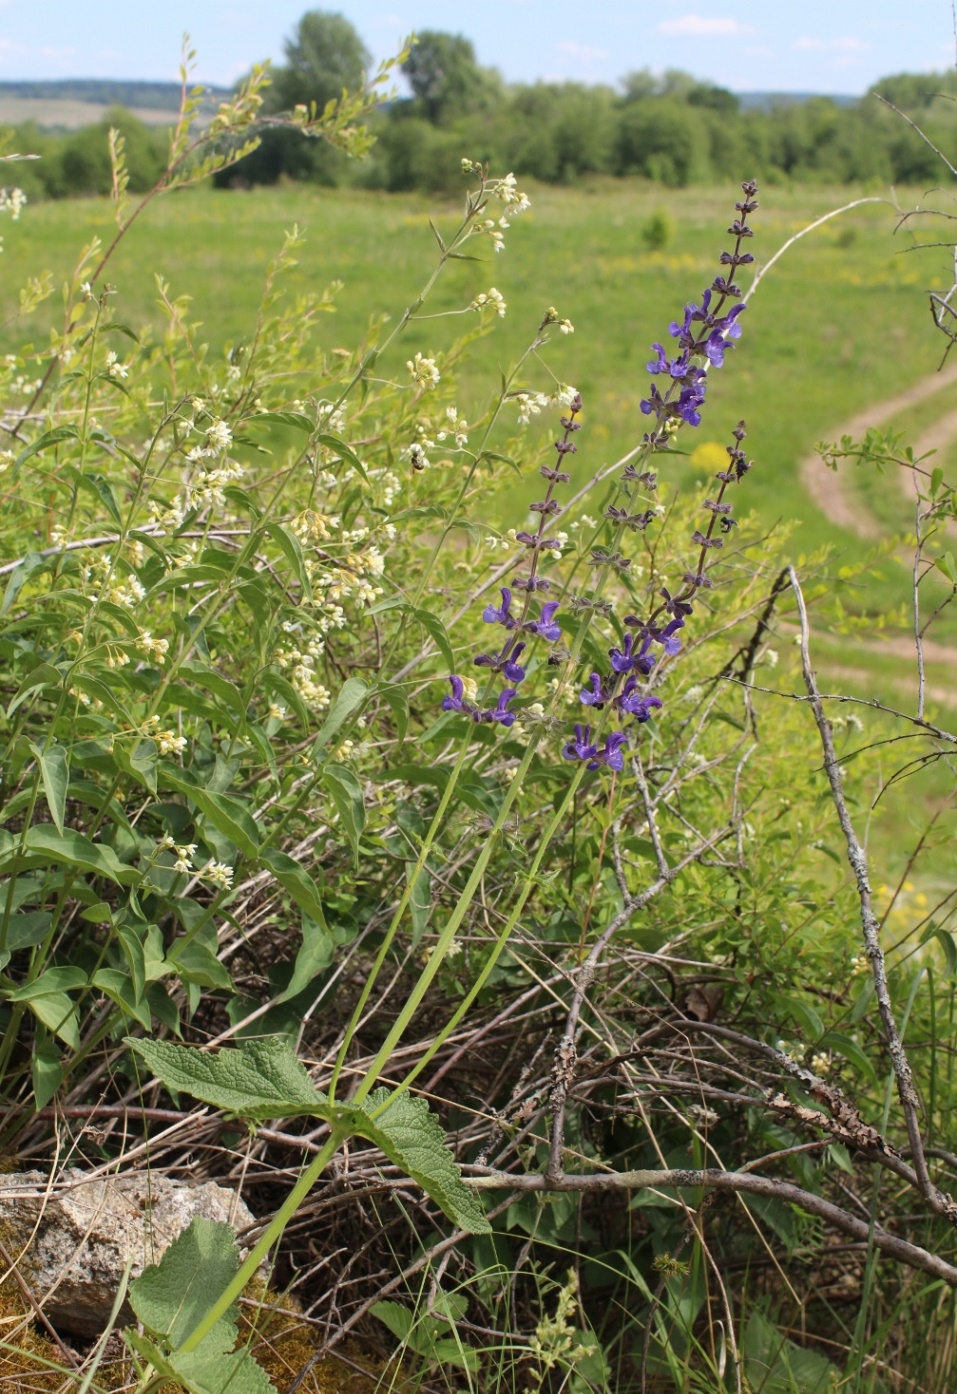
pixel 838 324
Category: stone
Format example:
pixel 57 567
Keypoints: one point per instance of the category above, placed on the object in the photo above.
pixel 73 1240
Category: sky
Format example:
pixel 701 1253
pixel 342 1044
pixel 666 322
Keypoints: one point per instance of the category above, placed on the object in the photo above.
pixel 839 46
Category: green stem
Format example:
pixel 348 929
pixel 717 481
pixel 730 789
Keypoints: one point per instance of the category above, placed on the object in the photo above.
pixel 273 1232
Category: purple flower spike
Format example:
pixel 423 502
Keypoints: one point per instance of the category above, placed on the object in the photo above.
pixel 581 747
pixel 595 695
pixel 623 659
pixel 613 753
pixel 661 364
pixel 501 713
pixel 633 703
pixel 456 702
pixel 545 625
pixel 512 668
pixel 674 606
pixel 500 614
pixel 714 347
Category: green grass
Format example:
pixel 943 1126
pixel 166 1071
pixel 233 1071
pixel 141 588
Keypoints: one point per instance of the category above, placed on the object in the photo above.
pixel 839 323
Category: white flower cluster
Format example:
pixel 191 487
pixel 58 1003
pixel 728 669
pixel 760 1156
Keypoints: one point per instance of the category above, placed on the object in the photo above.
pixel 533 403
pixel 456 428
pixel 491 299
pixel 150 647
pixel 185 853
pixel 12 201
pixel 219 436
pixel 331 418
pixel 115 368
pixel 218 874
pixel 127 593
pixel 553 317
pixel 508 192
pixel 530 404
pixel 424 371
pixel 167 742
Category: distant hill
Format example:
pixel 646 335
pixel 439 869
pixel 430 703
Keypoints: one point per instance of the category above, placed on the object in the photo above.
pixel 105 91
pixel 72 102
pixel 764 101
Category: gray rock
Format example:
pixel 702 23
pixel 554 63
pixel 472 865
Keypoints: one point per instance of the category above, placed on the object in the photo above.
pixel 73 1240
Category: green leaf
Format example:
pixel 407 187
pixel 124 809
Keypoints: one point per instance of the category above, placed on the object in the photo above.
pixel 346 794
pixel 399 702
pixel 119 988
pixel 396 1317
pixel 54 980
pixel 43 675
pixel 54 437
pixel 33 561
pixel 296 881
pixel 315 953
pixel 172 1297
pixel 228 815
pixel 46 1071
pixel 842 1044
pixel 289 543
pixel 282 418
pixel 58 1014
pixel 263 1079
pixel 345 452
pixel 351 695
pixel 98 488
pixel 258 1080
pixel 412 1137
pixel 776 1365
pixel 805 1016
pixel 436 629
pixel 196 962
pixel 28 929
pixel 55 775
pixel 947 565
pixel 43 845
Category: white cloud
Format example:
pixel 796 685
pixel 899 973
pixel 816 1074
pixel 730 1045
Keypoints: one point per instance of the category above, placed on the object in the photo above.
pixel 582 51
pixel 833 45
pixel 700 27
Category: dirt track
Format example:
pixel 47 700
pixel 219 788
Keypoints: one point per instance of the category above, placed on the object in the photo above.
pixel 831 489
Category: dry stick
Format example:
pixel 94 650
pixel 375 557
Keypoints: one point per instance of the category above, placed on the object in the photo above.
pixel 818 222
pixel 906 1090
pixel 567 1048
pixel 437 1250
pixel 871 702
pixel 918 633
pixel 38 1311
pixel 734 1181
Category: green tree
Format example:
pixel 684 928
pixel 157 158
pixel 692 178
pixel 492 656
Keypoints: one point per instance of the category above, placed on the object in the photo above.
pixel 445 78
pixel 324 54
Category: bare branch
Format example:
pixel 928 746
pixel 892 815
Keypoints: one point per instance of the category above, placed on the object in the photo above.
pixel 906 1090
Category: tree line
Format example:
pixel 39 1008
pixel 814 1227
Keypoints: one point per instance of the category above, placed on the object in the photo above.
pixel 671 127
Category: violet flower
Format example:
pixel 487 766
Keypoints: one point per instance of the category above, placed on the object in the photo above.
pixel 634 703
pixel 456 702
pixel 594 695
pixel 545 626
pixel 501 614
pixel 580 748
